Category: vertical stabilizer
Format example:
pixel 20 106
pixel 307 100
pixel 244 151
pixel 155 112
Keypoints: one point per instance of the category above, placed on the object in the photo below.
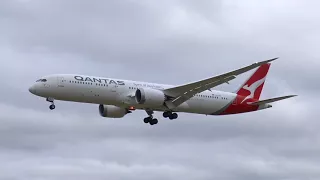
pixel 252 88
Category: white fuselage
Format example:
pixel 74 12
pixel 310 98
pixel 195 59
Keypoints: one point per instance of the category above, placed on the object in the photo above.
pixel 110 91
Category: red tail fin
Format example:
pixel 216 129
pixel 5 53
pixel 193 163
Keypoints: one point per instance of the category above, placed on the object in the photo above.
pixel 250 91
pixel 252 88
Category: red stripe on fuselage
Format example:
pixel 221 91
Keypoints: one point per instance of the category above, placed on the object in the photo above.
pixel 238 107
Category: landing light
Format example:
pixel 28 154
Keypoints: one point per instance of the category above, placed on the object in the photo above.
pixel 132 108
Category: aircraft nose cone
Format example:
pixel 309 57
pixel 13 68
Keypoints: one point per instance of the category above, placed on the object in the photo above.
pixel 32 90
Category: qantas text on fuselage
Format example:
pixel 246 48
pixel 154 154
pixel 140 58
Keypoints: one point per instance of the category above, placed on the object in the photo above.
pixel 117 98
pixel 99 80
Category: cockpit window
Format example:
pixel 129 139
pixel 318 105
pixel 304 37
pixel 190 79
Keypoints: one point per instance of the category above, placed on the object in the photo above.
pixel 41 80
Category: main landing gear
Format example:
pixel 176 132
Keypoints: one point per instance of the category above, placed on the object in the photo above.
pixel 52 106
pixel 152 121
pixel 170 115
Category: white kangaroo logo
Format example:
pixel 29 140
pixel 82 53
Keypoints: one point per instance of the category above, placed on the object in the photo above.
pixel 253 88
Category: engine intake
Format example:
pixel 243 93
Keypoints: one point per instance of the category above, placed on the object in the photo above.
pixel 111 111
pixel 150 97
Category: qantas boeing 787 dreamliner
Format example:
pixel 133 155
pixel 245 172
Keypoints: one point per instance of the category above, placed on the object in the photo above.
pixel 116 97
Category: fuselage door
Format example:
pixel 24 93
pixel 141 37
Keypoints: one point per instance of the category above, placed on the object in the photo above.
pixel 235 101
pixel 113 87
pixel 61 81
pixel 113 93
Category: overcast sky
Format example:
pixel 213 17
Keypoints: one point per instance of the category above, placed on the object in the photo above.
pixel 171 42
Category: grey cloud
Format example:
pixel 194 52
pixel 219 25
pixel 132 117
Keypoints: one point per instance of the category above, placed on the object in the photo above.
pixel 170 42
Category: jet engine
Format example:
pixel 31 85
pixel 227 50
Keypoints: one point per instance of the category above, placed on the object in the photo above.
pixel 111 111
pixel 150 97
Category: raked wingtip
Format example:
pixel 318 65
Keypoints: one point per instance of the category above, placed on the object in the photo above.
pixel 270 60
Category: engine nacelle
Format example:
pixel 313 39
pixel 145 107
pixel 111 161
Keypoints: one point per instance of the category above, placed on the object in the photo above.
pixel 150 97
pixel 111 111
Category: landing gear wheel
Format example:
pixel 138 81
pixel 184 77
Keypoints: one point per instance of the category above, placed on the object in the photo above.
pixel 173 116
pixel 166 114
pixel 146 120
pixel 153 122
pixel 52 106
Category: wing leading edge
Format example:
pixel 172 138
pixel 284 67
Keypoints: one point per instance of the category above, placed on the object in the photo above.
pixel 184 92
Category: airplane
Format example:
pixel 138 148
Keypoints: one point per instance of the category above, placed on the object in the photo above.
pixel 116 97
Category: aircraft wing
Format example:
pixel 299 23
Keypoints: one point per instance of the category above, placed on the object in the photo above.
pixel 184 92
pixel 267 101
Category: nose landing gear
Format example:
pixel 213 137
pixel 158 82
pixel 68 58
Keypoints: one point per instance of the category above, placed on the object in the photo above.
pixel 52 106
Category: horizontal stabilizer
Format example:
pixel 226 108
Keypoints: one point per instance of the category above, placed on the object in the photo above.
pixel 271 100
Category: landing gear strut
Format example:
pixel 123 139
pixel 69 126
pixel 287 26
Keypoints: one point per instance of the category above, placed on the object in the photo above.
pixel 150 119
pixel 170 115
pixel 52 106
